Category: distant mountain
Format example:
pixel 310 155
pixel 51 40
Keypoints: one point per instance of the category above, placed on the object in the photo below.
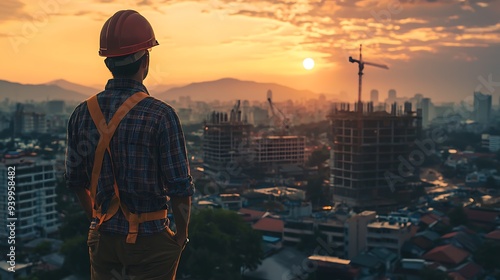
pixel 89 91
pixel 230 89
pixel 24 92
pixel 161 88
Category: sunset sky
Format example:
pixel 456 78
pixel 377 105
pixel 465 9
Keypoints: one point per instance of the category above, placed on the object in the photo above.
pixel 444 49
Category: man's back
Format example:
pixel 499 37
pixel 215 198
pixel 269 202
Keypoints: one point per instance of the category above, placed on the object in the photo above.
pixel 126 156
pixel 148 150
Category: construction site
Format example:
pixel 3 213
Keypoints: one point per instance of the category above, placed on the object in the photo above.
pixel 231 146
pixel 370 149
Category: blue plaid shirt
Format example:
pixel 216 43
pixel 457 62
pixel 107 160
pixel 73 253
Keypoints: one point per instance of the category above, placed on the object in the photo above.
pixel 148 150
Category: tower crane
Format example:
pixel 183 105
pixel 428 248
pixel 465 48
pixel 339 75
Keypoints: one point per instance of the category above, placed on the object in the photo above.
pixel 284 121
pixel 235 115
pixel 361 65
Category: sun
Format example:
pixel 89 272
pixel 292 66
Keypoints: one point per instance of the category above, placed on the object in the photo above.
pixel 308 63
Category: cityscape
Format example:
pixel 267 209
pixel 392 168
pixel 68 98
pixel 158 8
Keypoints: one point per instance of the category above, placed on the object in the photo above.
pixel 308 166
pixel 363 192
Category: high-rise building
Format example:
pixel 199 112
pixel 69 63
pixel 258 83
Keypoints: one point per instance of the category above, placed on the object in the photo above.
pixel 55 106
pixel 374 96
pixel 35 193
pixel 226 145
pixel 229 149
pixel 371 165
pixel 391 94
pixel 491 142
pixel 259 116
pixel 26 120
pixel 425 105
pixel 482 107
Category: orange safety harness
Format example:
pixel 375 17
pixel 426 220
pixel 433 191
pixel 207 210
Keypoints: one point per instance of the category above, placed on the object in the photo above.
pixel 106 132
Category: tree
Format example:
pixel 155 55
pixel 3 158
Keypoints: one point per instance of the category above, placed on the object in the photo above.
pixel 458 217
pixel 314 189
pixel 431 274
pixel 222 245
pixel 319 156
pixel 487 255
pixel 76 255
pixel 74 231
pixel 43 249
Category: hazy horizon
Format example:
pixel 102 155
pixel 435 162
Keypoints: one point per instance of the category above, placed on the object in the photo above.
pixel 443 49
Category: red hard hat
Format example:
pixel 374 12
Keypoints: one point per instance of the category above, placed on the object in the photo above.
pixel 126 32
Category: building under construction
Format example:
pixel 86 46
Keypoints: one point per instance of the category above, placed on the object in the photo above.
pixel 226 143
pixel 272 152
pixel 229 149
pixel 369 158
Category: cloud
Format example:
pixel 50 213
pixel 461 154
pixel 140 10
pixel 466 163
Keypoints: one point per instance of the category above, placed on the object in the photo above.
pixel 11 10
pixel 390 27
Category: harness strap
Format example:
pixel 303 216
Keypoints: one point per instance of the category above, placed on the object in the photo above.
pixel 106 132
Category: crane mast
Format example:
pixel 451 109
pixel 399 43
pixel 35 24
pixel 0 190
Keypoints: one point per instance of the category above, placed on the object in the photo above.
pixel 361 66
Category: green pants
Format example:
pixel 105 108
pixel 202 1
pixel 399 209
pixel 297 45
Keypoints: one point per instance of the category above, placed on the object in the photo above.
pixel 151 257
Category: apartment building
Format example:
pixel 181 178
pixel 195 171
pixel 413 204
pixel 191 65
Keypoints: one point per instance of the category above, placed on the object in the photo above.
pixel 35 193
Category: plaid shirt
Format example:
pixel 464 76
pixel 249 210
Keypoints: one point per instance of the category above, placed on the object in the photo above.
pixel 148 151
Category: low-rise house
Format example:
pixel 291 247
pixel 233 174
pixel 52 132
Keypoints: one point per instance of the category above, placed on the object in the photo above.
pixel 447 255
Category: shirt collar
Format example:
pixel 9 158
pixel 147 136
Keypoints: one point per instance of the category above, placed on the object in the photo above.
pixel 126 84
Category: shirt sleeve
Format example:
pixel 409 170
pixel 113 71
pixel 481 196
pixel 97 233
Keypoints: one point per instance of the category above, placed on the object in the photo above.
pixel 75 174
pixel 174 164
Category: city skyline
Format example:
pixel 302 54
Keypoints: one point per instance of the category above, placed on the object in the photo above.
pixel 445 50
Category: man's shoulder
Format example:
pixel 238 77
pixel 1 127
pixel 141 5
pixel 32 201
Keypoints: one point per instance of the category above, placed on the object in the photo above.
pixel 158 105
pixel 79 109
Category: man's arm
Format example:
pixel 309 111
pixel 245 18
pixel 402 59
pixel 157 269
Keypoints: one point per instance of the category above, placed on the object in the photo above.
pixel 84 197
pixel 75 175
pixel 174 169
pixel 181 208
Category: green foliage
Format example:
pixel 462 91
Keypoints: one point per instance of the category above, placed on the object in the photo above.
pixel 485 163
pixel 221 245
pixel 314 189
pixel 319 156
pixel 43 248
pixel 28 277
pixel 487 255
pixel 461 140
pixel 74 224
pixel 46 275
pixel 430 274
pixel 76 255
pixel 458 217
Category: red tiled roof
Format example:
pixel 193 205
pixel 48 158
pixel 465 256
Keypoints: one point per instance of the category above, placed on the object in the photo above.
pixel 469 271
pixel 269 224
pixel 494 235
pixel 449 235
pixel 483 216
pixel 422 242
pixel 456 276
pixel 429 219
pixel 252 215
pixel 446 254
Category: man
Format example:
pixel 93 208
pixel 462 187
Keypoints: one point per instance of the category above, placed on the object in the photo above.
pixel 126 157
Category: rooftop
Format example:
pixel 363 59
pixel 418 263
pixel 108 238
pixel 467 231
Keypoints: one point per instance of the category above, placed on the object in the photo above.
pixel 252 215
pixel 329 259
pixel 447 254
pixel 366 260
pixel 493 235
pixel 482 215
pixel 388 225
pixel 269 224
pixel 469 270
